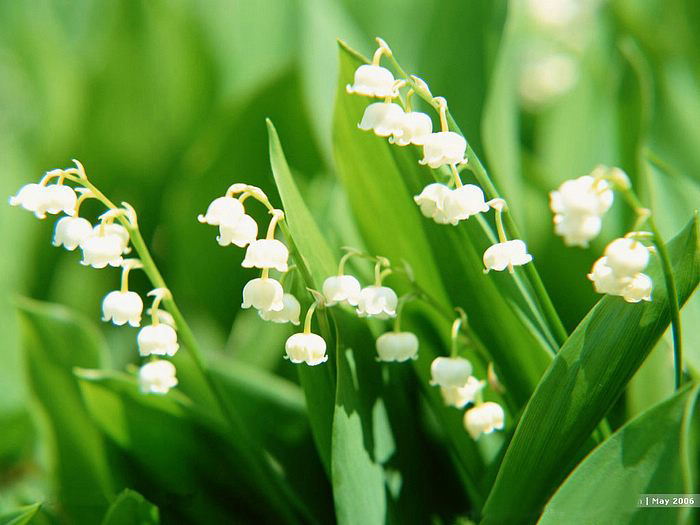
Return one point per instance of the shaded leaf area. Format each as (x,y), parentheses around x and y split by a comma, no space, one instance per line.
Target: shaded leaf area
(381,180)
(55,341)
(131,508)
(21,516)
(374,454)
(580,386)
(648,455)
(210,480)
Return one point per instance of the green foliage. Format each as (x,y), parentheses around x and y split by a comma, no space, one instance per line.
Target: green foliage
(130,507)
(21,516)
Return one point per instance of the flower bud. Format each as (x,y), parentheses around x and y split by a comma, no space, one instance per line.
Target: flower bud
(159,339)
(157,377)
(397,346)
(71,231)
(288,314)
(373,81)
(377,301)
(306,348)
(122,307)
(340,289)
(445,147)
(266,253)
(263,294)
(484,418)
(505,254)
(450,371)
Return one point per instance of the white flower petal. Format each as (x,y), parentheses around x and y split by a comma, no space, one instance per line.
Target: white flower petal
(340,289)
(122,307)
(263,294)
(484,419)
(450,371)
(288,314)
(157,377)
(306,348)
(266,253)
(397,346)
(158,339)
(71,231)
(373,81)
(377,301)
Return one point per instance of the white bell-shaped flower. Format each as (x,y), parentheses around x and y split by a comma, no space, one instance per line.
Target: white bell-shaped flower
(484,418)
(306,348)
(414,127)
(157,377)
(241,231)
(638,289)
(450,371)
(377,301)
(432,202)
(461,396)
(122,307)
(71,231)
(30,197)
(397,346)
(60,198)
(605,280)
(577,230)
(627,257)
(159,339)
(100,250)
(266,253)
(222,209)
(582,196)
(288,314)
(444,147)
(263,294)
(463,202)
(112,228)
(384,118)
(41,199)
(373,81)
(339,289)
(506,254)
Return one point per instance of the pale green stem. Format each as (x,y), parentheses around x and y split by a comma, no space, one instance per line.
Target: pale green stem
(455,176)
(309,315)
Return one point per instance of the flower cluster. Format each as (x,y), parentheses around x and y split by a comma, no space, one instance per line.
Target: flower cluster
(102,245)
(403,126)
(460,388)
(619,271)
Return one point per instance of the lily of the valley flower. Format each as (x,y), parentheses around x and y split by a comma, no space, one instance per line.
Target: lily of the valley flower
(413,127)
(288,314)
(240,231)
(461,396)
(619,271)
(222,209)
(626,257)
(112,228)
(263,293)
(506,254)
(159,339)
(71,231)
(484,418)
(432,202)
(122,307)
(397,346)
(339,289)
(450,371)
(157,377)
(444,147)
(377,301)
(41,199)
(373,81)
(266,253)
(101,249)
(463,202)
(306,348)
(384,118)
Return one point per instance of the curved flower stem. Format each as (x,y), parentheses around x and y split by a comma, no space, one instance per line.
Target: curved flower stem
(482,177)
(669,280)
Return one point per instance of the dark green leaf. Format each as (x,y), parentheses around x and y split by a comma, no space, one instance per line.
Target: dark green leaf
(131,508)
(20,516)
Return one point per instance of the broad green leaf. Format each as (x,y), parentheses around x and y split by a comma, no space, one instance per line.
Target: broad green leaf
(56,341)
(582,383)
(131,508)
(181,459)
(17,437)
(646,456)
(20,516)
(381,180)
(315,262)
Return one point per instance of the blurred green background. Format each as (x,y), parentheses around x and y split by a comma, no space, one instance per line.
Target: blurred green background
(164,103)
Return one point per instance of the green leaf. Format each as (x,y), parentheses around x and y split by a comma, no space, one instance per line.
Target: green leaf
(584,380)
(181,458)
(21,516)
(131,508)
(315,262)
(646,456)
(17,437)
(56,341)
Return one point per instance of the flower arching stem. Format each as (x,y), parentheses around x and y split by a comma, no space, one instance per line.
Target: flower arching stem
(127,266)
(455,176)
(277,215)
(309,315)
